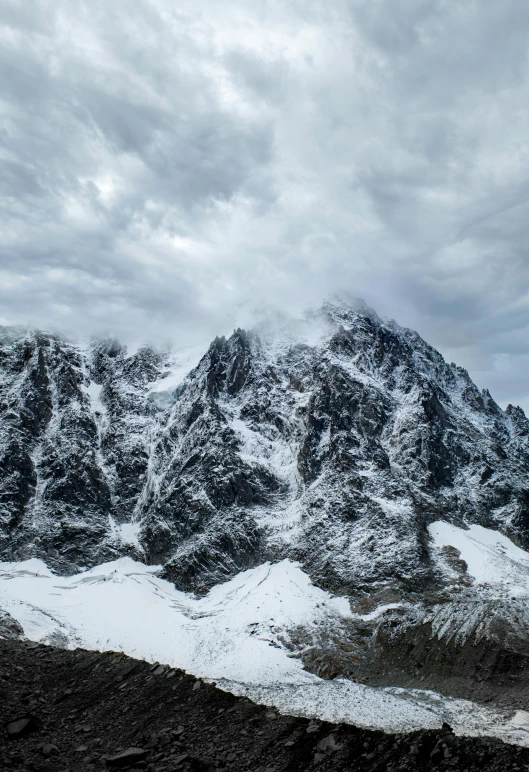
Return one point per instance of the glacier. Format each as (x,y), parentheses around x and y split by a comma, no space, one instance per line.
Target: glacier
(233,636)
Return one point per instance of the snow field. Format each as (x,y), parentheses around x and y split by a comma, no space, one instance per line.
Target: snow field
(229,636)
(492,558)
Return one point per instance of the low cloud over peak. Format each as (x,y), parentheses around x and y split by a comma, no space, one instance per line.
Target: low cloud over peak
(164,166)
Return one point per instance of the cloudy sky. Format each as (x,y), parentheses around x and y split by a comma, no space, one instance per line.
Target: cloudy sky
(168,166)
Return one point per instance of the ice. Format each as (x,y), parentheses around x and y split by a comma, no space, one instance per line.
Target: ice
(31,567)
(124,606)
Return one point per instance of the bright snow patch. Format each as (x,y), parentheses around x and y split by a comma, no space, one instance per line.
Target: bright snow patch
(94,392)
(231,636)
(492,558)
(181,363)
(521,718)
(125,533)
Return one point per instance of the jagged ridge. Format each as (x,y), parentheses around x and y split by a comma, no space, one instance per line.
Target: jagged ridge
(334,442)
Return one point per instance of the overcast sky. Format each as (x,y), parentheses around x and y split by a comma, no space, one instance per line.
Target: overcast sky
(167,166)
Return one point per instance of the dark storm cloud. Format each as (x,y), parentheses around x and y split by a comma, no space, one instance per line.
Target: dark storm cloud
(165,168)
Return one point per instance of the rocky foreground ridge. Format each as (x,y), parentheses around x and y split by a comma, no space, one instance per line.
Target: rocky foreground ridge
(86,711)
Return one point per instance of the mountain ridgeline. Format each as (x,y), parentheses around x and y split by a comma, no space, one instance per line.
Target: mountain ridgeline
(334,442)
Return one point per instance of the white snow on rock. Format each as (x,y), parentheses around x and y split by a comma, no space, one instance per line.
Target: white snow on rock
(492,558)
(126,534)
(232,636)
(94,392)
(181,363)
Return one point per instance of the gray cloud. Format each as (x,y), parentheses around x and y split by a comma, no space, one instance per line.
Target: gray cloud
(166,168)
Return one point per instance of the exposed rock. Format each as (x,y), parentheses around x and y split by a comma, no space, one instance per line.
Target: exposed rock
(249,739)
(49,749)
(9,627)
(19,727)
(328,745)
(125,758)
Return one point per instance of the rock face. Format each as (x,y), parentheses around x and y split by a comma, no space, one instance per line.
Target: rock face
(334,442)
(74,445)
(9,627)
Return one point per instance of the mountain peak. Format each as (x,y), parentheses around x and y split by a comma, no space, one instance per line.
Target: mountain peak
(345,303)
(208,455)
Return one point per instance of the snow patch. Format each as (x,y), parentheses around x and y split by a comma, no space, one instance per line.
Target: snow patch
(379,611)
(521,719)
(492,558)
(125,533)
(94,392)
(180,365)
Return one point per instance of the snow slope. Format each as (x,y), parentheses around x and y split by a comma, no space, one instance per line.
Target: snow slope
(492,559)
(231,635)
(123,605)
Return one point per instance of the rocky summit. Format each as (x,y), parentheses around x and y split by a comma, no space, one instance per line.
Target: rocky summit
(337,441)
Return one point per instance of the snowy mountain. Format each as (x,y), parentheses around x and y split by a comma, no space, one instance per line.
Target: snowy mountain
(334,442)
(338,442)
